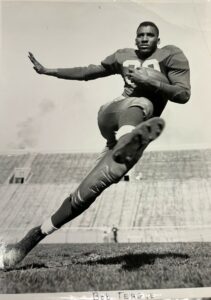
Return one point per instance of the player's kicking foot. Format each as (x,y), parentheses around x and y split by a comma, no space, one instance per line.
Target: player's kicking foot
(13,254)
(129,144)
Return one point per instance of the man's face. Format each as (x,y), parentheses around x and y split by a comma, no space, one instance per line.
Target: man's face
(147,40)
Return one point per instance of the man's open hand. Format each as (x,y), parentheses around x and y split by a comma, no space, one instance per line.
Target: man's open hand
(37,66)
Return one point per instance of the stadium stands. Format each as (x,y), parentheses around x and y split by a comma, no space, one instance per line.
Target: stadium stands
(169,201)
(8,163)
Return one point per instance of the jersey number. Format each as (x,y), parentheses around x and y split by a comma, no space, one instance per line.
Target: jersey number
(135,64)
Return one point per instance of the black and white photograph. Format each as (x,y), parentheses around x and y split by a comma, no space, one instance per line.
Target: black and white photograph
(105,153)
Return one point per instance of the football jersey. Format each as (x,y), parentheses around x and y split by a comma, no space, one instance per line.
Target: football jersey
(169,60)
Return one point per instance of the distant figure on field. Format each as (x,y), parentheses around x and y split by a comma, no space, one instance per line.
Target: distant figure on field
(115,231)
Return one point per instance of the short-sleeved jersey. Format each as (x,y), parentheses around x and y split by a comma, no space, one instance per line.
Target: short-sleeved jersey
(169,60)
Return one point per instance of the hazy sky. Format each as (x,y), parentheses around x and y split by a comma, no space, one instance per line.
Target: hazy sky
(44,113)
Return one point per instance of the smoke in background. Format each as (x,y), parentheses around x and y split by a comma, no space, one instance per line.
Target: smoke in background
(46,106)
(28,130)
(27,133)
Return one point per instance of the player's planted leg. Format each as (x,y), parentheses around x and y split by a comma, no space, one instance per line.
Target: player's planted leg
(15,253)
(105,173)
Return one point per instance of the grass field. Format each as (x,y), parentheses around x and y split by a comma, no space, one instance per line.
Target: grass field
(88,267)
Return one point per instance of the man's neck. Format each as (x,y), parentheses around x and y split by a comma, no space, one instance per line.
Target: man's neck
(145,55)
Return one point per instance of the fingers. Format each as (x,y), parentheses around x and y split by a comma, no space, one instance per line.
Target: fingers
(135,71)
(30,55)
(130,72)
(36,65)
(32,58)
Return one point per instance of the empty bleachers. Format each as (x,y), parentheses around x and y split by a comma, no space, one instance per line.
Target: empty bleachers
(174,191)
(60,168)
(8,163)
(183,164)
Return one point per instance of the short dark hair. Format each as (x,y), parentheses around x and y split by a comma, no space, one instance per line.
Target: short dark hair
(148,23)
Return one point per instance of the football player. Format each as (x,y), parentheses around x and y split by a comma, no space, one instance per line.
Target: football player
(152,76)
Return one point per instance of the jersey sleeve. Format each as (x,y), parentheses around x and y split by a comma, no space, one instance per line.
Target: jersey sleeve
(178,69)
(83,73)
(110,63)
(109,66)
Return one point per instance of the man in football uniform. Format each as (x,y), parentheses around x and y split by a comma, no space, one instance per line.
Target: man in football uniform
(152,76)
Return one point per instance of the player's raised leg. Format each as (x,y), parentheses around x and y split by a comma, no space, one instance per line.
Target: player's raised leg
(130,143)
(135,127)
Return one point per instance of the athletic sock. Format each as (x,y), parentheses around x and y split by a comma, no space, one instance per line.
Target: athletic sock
(124,130)
(47,227)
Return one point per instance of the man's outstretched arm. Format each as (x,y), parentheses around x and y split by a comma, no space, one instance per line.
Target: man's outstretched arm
(79,73)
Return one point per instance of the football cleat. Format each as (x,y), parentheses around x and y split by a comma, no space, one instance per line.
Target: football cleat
(10,256)
(13,254)
(129,145)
